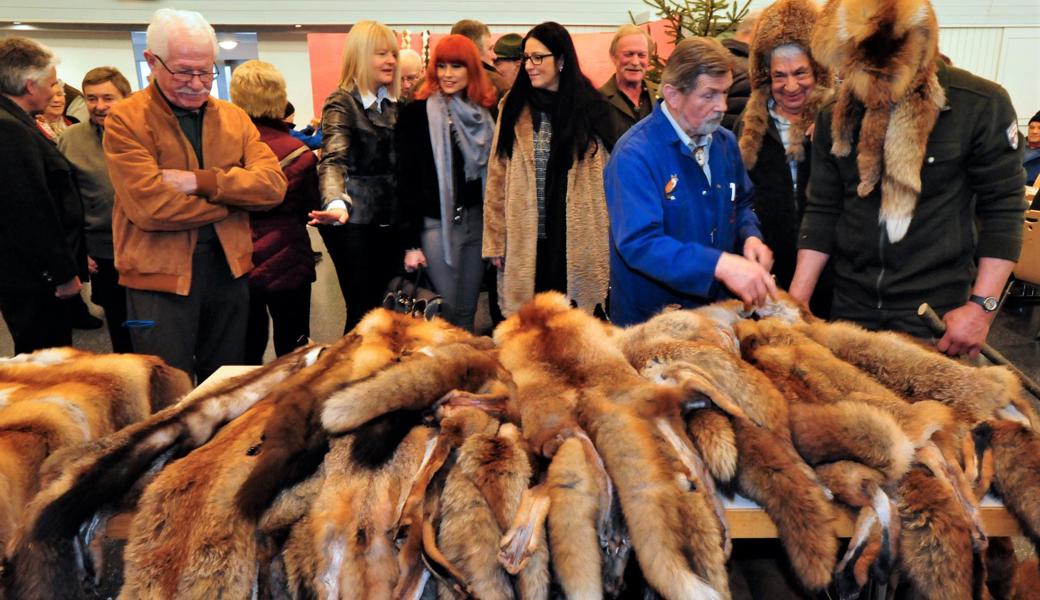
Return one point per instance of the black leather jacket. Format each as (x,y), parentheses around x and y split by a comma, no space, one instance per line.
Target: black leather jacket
(357,157)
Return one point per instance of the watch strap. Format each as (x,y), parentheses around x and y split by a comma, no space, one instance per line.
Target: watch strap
(985,302)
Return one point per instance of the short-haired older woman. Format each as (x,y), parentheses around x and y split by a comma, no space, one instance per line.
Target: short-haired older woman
(787,89)
(52,121)
(443,144)
(283,262)
(359,215)
(545,216)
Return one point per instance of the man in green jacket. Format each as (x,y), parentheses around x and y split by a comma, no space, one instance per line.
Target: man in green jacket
(628,91)
(916,191)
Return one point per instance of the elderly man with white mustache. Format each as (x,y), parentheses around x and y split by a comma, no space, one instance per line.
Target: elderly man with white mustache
(628,90)
(682,227)
(186,168)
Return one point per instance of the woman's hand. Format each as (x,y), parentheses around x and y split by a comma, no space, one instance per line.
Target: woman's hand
(413,259)
(499,262)
(332,216)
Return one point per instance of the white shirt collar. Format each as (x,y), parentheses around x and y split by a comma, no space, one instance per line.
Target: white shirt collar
(702,140)
(368,98)
(685,139)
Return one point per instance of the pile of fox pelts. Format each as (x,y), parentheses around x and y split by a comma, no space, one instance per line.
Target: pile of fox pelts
(564,458)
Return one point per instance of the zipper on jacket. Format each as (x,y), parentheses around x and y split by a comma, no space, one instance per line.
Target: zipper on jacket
(881,274)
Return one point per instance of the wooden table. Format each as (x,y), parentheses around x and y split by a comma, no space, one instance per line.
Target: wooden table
(746,519)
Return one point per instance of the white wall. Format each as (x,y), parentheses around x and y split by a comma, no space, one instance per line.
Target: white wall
(288,52)
(996,39)
(1007,55)
(326,12)
(81,51)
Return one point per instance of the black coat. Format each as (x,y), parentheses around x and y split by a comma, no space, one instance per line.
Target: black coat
(740,91)
(418,194)
(357,157)
(780,206)
(41,213)
(970,206)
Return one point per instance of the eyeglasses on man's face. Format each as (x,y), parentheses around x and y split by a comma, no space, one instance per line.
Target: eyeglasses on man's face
(206,77)
(535,59)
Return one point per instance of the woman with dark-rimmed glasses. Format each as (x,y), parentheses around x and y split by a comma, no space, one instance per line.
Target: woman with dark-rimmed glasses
(545,214)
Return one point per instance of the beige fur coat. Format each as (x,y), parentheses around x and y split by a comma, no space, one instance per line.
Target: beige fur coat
(511,223)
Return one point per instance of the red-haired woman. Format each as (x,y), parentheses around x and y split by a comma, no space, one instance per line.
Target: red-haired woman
(443,140)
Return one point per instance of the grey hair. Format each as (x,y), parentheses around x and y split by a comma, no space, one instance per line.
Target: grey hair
(168,21)
(409,53)
(694,57)
(23,60)
(788,51)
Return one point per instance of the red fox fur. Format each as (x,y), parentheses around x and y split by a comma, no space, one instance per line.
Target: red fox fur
(920,373)
(51,402)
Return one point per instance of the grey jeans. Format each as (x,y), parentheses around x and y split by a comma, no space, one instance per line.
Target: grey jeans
(460,284)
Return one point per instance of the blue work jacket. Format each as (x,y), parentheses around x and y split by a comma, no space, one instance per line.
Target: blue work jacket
(668,225)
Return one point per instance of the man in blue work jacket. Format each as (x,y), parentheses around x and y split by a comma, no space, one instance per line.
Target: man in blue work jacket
(682,227)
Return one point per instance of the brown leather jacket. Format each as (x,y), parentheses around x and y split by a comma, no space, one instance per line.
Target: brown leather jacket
(154,227)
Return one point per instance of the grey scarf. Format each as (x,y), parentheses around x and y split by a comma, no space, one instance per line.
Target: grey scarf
(473,132)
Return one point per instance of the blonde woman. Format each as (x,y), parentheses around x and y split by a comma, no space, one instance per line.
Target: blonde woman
(358,220)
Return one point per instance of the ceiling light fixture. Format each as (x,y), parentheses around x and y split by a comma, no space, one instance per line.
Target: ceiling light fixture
(228,44)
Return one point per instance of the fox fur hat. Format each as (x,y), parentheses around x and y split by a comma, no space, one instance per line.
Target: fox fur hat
(885,54)
(787,22)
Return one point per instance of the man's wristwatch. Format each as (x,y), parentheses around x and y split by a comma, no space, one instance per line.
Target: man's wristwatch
(988,303)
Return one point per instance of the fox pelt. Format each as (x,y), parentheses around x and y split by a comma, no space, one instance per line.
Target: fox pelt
(573,531)
(810,372)
(676,346)
(42,559)
(936,548)
(705,369)
(632,424)
(770,472)
(917,372)
(54,400)
(217,556)
(1016,454)
(481,497)
(885,51)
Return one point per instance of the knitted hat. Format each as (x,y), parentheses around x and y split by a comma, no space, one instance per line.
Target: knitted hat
(508,46)
(787,22)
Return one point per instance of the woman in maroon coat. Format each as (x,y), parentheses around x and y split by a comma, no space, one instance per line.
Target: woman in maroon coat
(283,262)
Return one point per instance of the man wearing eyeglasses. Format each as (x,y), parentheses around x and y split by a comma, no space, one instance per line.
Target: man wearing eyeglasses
(186,168)
(410,65)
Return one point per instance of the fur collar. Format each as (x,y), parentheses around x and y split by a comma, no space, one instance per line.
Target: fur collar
(886,52)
